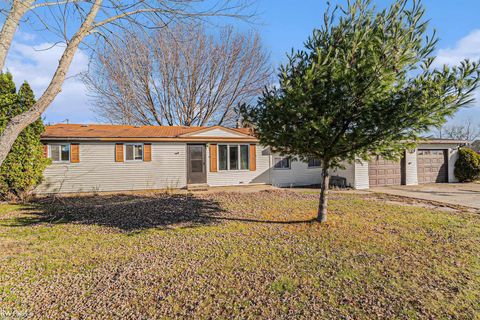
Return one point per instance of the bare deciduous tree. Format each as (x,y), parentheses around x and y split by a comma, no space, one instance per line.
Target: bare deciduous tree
(467,130)
(181,76)
(75,20)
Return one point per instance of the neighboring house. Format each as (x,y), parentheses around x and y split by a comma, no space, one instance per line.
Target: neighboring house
(96,158)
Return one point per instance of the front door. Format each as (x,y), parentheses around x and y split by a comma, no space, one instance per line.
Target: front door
(196,171)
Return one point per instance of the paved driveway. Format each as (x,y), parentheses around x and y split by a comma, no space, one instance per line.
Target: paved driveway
(466,194)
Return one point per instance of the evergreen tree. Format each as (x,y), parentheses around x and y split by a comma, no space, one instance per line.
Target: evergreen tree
(364,85)
(24,165)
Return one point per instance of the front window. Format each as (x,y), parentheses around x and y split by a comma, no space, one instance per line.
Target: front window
(60,152)
(223,157)
(233,157)
(282,163)
(244,157)
(133,152)
(313,163)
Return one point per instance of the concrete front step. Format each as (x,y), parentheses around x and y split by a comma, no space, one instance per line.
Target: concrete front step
(197,187)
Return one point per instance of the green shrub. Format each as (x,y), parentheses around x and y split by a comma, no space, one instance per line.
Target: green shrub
(467,167)
(23,168)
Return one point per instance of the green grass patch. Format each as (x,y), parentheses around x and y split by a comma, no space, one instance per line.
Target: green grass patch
(283,284)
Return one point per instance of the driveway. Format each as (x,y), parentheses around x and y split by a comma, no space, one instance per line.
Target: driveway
(465,194)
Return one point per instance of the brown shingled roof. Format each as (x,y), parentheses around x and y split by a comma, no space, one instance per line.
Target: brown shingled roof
(103,131)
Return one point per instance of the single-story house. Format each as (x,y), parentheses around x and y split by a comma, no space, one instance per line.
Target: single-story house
(97,158)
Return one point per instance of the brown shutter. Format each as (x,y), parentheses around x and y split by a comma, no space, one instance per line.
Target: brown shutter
(253,157)
(45,150)
(119,152)
(74,153)
(147,152)
(213,158)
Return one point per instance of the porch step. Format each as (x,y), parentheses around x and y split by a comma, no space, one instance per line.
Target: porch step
(197,187)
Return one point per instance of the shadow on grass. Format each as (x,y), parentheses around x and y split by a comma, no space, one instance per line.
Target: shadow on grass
(134,212)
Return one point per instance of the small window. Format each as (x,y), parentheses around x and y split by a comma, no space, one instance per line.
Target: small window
(282,163)
(134,152)
(244,157)
(313,163)
(223,157)
(233,157)
(60,152)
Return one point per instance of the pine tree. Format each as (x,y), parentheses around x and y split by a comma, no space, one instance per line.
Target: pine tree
(363,85)
(23,168)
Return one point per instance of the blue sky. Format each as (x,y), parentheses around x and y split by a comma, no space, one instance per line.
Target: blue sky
(283,25)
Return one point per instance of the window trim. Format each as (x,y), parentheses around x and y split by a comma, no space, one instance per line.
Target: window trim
(289,163)
(60,152)
(133,144)
(228,157)
(313,167)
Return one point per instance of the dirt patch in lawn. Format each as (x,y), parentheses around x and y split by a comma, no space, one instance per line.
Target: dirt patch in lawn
(233,255)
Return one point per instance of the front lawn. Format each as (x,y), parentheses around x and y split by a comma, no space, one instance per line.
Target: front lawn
(233,255)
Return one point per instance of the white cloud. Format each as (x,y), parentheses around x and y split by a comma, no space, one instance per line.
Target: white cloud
(25,36)
(467,47)
(37,63)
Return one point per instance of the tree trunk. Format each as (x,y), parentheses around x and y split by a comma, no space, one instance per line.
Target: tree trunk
(323,203)
(19,8)
(18,123)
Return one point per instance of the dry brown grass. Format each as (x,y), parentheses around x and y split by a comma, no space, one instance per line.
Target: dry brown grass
(232,255)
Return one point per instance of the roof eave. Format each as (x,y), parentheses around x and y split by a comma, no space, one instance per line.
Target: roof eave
(154,139)
(442,141)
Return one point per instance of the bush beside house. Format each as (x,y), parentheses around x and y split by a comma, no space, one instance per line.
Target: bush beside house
(467,167)
(23,168)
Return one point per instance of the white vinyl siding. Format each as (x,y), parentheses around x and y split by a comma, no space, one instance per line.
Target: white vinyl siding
(98,170)
(411,175)
(220,133)
(347,172)
(361,177)
(299,174)
(452,158)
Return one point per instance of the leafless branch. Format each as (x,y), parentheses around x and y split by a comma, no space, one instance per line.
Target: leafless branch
(86,18)
(179,76)
(53,3)
(466,130)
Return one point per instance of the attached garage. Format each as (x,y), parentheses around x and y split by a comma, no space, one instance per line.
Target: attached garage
(432,165)
(432,161)
(384,172)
